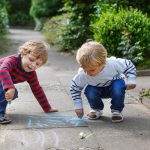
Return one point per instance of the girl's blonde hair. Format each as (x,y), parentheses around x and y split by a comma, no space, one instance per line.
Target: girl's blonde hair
(91,54)
(37,48)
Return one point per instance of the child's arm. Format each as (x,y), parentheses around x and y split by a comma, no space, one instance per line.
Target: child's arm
(77,85)
(5,77)
(39,94)
(127,68)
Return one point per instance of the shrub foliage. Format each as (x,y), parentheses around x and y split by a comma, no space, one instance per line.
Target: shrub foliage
(77,31)
(18,12)
(3,17)
(131,24)
(41,10)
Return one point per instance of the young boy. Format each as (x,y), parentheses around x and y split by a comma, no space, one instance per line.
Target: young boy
(19,68)
(101,77)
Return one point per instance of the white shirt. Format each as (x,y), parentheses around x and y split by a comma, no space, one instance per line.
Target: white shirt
(115,68)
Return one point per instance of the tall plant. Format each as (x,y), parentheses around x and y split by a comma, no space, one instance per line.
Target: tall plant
(77,31)
(3,17)
(18,12)
(41,10)
(132,23)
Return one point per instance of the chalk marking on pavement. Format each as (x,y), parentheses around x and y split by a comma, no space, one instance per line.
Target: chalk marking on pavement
(58,115)
(23,139)
(26,143)
(76,121)
(38,136)
(29,122)
(3,137)
(89,135)
(56,138)
(42,139)
(55,119)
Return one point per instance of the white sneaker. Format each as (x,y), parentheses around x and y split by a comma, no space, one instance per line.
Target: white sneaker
(117,116)
(5,120)
(95,114)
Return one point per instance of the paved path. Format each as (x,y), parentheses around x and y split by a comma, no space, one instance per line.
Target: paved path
(32,129)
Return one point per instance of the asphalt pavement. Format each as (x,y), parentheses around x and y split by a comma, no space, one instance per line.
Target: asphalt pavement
(32,129)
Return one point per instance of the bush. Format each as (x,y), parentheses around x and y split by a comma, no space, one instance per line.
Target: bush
(3,18)
(143,5)
(54,27)
(18,11)
(132,52)
(42,10)
(132,24)
(77,31)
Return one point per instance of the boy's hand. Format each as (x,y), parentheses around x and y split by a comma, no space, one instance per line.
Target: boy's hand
(79,112)
(9,94)
(130,86)
(52,110)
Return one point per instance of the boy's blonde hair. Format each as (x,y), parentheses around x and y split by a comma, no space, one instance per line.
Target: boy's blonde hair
(91,54)
(37,48)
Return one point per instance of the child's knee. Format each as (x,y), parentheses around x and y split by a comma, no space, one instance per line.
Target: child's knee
(90,92)
(118,85)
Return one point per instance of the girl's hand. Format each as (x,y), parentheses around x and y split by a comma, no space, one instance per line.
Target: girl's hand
(9,94)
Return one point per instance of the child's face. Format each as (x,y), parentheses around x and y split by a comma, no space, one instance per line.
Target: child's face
(93,71)
(30,62)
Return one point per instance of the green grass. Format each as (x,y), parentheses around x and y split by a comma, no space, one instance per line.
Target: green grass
(145,93)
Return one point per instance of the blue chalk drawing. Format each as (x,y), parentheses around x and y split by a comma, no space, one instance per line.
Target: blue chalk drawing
(29,122)
(76,121)
(55,120)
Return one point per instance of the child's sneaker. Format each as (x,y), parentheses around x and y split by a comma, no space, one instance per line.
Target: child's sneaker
(117,116)
(95,114)
(5,120)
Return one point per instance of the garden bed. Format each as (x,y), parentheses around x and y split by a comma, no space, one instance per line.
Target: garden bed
(145,97)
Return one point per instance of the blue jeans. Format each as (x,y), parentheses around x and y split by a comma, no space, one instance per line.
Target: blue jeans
(115,91)
(3,101)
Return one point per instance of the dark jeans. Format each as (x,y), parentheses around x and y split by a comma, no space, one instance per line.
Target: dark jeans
(3,101)
(116,91)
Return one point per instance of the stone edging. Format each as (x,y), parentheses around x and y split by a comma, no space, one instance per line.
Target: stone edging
(143,73)
(146,101)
